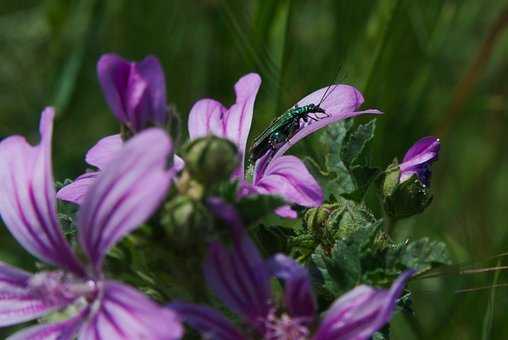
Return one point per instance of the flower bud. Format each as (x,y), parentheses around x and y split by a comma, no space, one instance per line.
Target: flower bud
(419,158)
(405,186)
(408,198)
(211,159)
(316,218)
(186,221)
(135,91)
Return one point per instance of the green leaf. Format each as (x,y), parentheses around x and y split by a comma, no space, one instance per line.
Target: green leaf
(356,143)
(272,239)
(425,254)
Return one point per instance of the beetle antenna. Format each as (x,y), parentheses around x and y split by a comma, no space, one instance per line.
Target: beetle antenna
(332,86)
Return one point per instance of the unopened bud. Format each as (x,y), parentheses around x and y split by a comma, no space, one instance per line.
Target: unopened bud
(211,159)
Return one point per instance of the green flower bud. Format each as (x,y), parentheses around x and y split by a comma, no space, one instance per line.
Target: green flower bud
(316,218)
(186,222)
(408,198)
(211,159)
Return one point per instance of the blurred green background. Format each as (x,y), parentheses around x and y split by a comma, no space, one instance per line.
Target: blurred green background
(433,66)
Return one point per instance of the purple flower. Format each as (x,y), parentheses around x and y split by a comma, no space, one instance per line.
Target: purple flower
(276,174)
(99,156)
(419,158)
(122,197)
(135,91)
(241,279)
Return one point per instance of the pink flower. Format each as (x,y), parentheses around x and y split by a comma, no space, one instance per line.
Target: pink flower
(275,173)
(136,93)
(122,197)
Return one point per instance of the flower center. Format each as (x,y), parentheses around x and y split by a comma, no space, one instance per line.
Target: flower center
(285,328)
(60,287)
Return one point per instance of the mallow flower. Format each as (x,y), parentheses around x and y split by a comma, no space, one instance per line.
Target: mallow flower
(240,278)
(136,93)
(275,174)
(123,196)
(419,158)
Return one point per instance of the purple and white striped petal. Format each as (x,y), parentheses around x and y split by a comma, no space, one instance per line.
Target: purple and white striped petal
(206,117)
(360,313)
(125,193)
(288,177)
(62,330)
(18,302)
(99,156)
(240,279)
(239,116)
(104,151)
(298,297)
(210,323)
(341,102)
(75,192)
(27,197)
(124,313)
(211,117)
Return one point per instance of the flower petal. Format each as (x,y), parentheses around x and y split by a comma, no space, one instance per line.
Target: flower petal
(18,302)
(239,116)
(62,330)
(419,158)
(206,117)
(124,313)
(209,322)
(210,117)
(339,99)
(240,278)
(125,193)
(113,72)
(76,191)
(314,126)
(298,297)
(102,152)
(361,312)
(341,102)
(288,177)
(27,197)
(152,73)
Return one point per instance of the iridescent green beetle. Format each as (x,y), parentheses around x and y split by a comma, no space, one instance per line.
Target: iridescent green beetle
(286,126)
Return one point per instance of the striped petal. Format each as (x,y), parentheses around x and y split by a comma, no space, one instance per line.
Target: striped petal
(206,117)
(27,197)
(210,323)
(125,193)
(211,117)
(298,297)
(18,302)
(63,330)
(361,312)
(125,313)
(103,152)
(288,177)
(239,277)
(76,191)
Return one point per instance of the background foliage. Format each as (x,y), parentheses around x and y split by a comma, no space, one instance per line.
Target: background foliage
(434,67)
